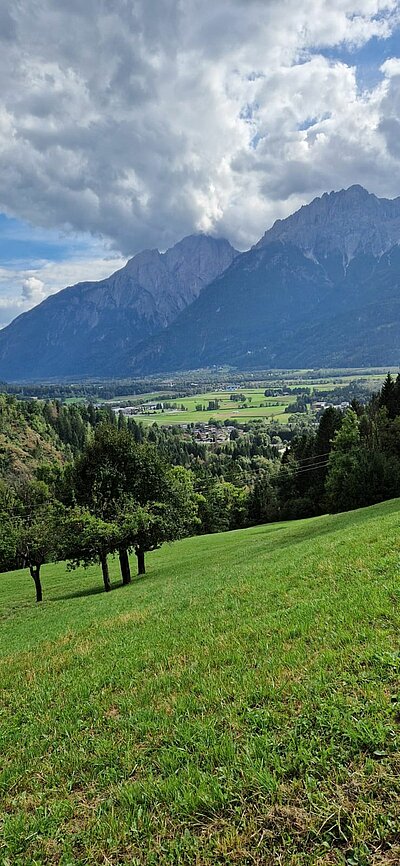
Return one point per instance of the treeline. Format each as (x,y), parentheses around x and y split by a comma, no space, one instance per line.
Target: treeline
(87,390)
(350,461)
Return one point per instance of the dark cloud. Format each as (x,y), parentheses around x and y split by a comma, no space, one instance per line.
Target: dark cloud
(140,122)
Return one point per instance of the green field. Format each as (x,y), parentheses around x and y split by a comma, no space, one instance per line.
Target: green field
(237,705)
(228,409)
(258,406)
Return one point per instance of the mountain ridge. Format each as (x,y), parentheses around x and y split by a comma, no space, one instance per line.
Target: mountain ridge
(321,287)
(84,328)
(349,221)
(310,292)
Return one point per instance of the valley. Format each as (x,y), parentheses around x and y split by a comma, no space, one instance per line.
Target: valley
(200,433)
(243,403)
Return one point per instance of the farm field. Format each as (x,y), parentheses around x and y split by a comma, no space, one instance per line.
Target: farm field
(272,407)
(237,705)
(258,406)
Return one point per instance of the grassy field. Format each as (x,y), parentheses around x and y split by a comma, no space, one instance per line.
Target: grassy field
(237,705)
(258,406)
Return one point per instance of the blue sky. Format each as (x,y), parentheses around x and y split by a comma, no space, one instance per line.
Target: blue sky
(124,126)
(25,245)
(35,262)
(368,58)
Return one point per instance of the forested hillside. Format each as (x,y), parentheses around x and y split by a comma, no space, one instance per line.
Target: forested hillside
(26,439)
(34,433)
(99,485)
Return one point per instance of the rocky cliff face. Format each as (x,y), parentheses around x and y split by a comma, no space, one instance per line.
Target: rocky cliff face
(321,288)
(86,329)
(175,278)
(347,223)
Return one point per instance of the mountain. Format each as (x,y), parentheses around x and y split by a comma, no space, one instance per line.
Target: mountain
(321,288)
(344,224)
(90,328)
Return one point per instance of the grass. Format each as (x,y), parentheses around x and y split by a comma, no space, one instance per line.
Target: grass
(258,406)
(237,705)
(273,407)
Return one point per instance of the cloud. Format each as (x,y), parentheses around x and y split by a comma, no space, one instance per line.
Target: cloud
(33,290)
(141,122)
(391,67)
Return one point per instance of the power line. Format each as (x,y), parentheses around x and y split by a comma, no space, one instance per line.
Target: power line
(309,469)
(314,457)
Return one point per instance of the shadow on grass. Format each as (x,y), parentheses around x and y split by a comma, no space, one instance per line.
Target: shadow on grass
(99,590)
(82,593)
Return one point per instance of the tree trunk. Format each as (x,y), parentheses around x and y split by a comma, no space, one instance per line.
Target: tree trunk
(140,560)
(124,566)
(35,573)
(106,574)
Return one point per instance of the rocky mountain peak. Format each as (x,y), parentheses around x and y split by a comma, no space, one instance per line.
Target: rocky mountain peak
(87,328)
(347,222)
(184,268)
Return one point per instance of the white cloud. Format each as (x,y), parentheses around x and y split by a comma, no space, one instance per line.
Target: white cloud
(33,290)
(391,67)
(141,122)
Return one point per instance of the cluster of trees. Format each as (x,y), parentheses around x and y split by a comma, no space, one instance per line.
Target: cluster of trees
(351,460)
(129,488)
(116,497)
(238,398)
(301,404)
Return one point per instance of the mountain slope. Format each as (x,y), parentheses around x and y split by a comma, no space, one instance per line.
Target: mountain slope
(320,288)
(345,223)
(26,440)
(240,705)
(237,314)
(85,329)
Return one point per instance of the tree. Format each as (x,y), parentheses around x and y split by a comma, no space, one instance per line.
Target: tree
(112,468)
(37,540)
(129,485)
(388,396)
(34,529)
(87,539)
(167,520)
(263,506)
(132,522)
(343,465)
(223,506)
(8,536)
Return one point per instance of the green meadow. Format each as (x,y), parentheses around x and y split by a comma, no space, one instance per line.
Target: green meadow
(258,406)
(239,704)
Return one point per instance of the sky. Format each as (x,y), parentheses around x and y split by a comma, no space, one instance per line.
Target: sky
(128,124)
